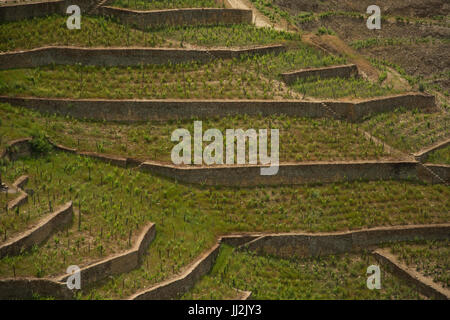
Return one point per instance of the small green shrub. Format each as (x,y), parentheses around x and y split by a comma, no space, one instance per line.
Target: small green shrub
(39,143)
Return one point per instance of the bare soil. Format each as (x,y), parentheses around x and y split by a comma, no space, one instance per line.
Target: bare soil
(417,59)
(423,59)
(406,8)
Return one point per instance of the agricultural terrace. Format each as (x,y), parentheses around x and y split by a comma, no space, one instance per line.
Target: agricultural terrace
(166,4)
(431,258)
(99,31)
(331,277)
(112,204)
(302,139)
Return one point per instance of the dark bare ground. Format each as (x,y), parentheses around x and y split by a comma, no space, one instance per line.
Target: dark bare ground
(406,8)
(430,59)
(425,59)
(350,29)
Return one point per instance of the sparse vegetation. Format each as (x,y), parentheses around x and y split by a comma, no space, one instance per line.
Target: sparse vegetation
(52,30)
(249,77)
(330,277)
(341,88)
(409,131)
(114,201)
(441,156)
(112,204)
(301,139)
(166,4)
(431,258)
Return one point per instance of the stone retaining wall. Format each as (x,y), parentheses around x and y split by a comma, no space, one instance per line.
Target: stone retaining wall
(17,202)
(62,55)
(288,174)
(434,173)
(16,12)
(422,155)
(420,101)
(287,245)
(23,196)
(12,289)
(306,244)
(442,170)
(62,216)
(21,182)
(284,244)
(120,263)
(144,110)
(424,285)
(174,288)
(344,71)
(178,17)
(17,149)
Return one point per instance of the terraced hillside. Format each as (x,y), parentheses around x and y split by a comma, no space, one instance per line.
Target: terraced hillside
(86,124)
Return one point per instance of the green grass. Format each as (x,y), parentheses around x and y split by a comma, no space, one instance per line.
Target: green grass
(381,42)
(409,131)
(430,258)
(52,30)
(229,35)
(166,4)
(17,220)
(341,88)
(331,277)
(382,64)
(105,32)
(14,2)
(249,77)
(214,80)
(441,156)
(271,11)
(301,139)
(324,30)
(189,218)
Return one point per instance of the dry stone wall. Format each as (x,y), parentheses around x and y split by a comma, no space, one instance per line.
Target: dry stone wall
(61,217)
(143,110)
(120,263)
(11,289)
(288,174)
(174,288)
(304,244)
(423,284)
(345,71)
(16,12)
(17,149)
(121,56)
(422,155)
(178,17)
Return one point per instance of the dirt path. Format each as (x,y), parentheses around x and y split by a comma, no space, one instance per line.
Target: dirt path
(328,43)
(259,19)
